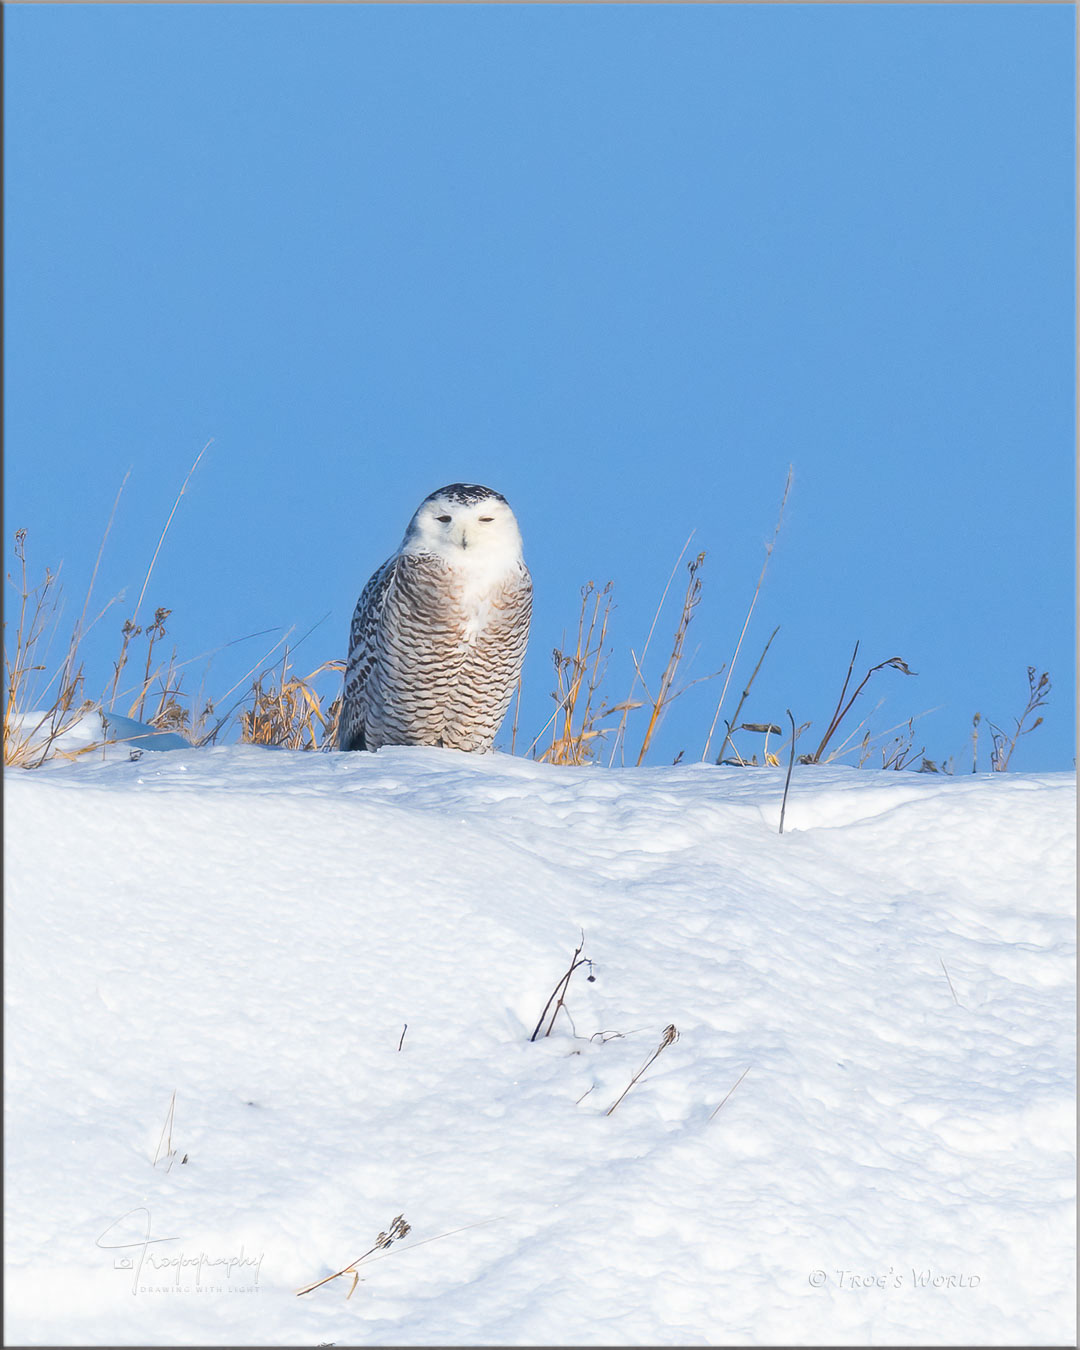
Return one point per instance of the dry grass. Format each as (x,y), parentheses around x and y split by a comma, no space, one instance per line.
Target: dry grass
(628,705)
(165,1151)
(285,708)
(670,1035)
(288,710)
(666,693)
(767,728)
(749,613)
(39,708)
(842,709)
(579,674)
(580,704)
(60,700)
(730,1090)
(45,698)
(1002,744)
(559,992)
(276,705)
(398,1229)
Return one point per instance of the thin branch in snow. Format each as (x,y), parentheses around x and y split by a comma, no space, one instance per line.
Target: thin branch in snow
(787,780)
(746,622)
(397,1229)
(955,999)
(731,1089)
(560,989)
(670,1034)
(166,1129)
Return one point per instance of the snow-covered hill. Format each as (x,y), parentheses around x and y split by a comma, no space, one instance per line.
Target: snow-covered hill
(887,986)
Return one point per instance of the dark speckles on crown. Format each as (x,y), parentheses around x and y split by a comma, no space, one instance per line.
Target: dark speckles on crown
(465,494)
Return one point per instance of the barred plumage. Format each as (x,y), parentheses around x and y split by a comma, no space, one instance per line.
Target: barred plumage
(439,633)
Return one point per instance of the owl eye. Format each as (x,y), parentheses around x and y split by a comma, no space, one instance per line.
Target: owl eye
(486,520)
(445,519)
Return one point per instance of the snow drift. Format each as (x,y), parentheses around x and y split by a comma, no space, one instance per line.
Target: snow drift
(335,962)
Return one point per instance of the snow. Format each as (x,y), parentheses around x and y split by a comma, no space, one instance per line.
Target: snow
(252,929)
(40,737)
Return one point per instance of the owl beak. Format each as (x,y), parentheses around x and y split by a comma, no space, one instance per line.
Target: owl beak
(464,540)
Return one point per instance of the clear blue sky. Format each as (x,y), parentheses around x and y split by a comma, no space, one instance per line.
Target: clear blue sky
(623,264)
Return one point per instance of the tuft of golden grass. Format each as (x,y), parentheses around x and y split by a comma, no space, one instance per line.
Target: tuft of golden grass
(44,699)
(628,704)
(41,707)
(579,674)
(56,701)
(287,709)
(666,693)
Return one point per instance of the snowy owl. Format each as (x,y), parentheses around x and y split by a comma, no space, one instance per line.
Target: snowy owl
(439,633)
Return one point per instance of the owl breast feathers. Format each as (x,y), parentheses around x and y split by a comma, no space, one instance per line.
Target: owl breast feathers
(439,633)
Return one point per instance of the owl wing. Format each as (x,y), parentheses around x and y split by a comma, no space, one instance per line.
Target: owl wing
(363,652)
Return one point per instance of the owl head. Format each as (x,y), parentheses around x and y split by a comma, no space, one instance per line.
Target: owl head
(466,525)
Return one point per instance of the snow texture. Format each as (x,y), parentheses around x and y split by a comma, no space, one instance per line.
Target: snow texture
(114,736)
(252,930)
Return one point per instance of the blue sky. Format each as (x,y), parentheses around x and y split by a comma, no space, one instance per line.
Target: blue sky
(623,264)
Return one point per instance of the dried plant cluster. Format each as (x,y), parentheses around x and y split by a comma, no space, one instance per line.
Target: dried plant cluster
(273,704)
(287,709)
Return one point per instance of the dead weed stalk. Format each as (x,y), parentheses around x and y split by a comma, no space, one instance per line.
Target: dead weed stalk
(288,710)
(575,723)
(37,711)
(670,1034)
(397,1229)
(559,992)
(746,622)
(1003,745)
(843,708)
(751,726)
(665,693)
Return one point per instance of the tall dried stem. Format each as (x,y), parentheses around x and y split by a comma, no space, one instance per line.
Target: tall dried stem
(579,674)
(745,695)
(1004,745)
(664,695)
(746,622)
(628,704)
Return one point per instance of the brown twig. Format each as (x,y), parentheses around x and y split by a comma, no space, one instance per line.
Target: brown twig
(955,999)
(578,676)
(1003,745)
(745,696)
(787,780)
(166,1129)
(731,1089)
(843,708)
(628,704)
(165,531)
(397,1229)
(670,1034)
(664,696)
(746,622)
(560,989)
